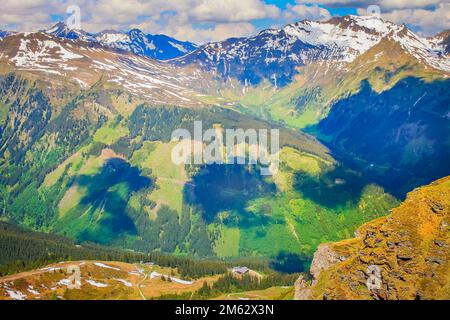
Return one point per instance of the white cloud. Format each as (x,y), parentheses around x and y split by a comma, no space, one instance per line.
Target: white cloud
(233,10)
(426,17)
(28,14)
(206,20)
(183,29)
(385,5)
(301,12)
(218,32)
(195,20)
(428,22)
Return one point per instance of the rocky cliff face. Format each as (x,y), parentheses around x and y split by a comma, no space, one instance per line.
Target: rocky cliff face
(402,256)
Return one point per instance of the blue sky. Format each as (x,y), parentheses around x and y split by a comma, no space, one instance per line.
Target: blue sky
(211,20)
(338,10)
(282,4)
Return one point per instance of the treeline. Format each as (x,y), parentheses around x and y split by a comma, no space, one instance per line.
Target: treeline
(189,268)
(156,123)
(196,268)
(230,283)
(23,250)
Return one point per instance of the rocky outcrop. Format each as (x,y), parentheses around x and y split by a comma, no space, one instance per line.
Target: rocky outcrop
(405,255)
(302,290)
(324,258)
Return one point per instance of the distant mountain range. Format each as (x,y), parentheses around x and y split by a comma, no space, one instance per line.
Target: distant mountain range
(275,54)
(159,47)
(4,33)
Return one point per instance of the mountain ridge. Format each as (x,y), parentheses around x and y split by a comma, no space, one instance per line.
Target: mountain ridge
(85,63)
(160,47)
(339,40)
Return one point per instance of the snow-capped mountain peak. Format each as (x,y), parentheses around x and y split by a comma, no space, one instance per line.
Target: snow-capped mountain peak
(111,36)
(339,40)
(154,46)
(160,47)
(59,60)
(62,30)
(350,35)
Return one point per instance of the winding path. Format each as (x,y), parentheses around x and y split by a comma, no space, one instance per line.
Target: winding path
(141,282)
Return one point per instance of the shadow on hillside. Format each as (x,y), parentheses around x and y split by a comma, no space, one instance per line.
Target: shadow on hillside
(287,262)
(332,189)
(109,192)
(397,137)
(217,188)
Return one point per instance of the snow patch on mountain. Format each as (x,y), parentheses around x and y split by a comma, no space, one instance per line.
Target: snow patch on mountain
(102,265)
(35,53)
(83,63)
(97,284)
(111,37)
(16,295)
(424,50)
(159,47)
(275,54)
(350,37)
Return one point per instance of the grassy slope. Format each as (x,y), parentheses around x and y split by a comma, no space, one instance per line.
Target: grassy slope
(273,293)
(121,280)
(276,224)
(170,178)
(296,224)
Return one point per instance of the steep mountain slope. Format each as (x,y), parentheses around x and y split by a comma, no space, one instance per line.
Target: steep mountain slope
(159,47)
(442,40)
(407,125)
(85,63)
(410,248)
(405,105)
(275,55)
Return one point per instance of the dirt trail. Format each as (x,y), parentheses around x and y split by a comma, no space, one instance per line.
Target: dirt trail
(140,283)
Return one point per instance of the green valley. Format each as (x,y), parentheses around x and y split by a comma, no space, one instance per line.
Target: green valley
(121,188)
